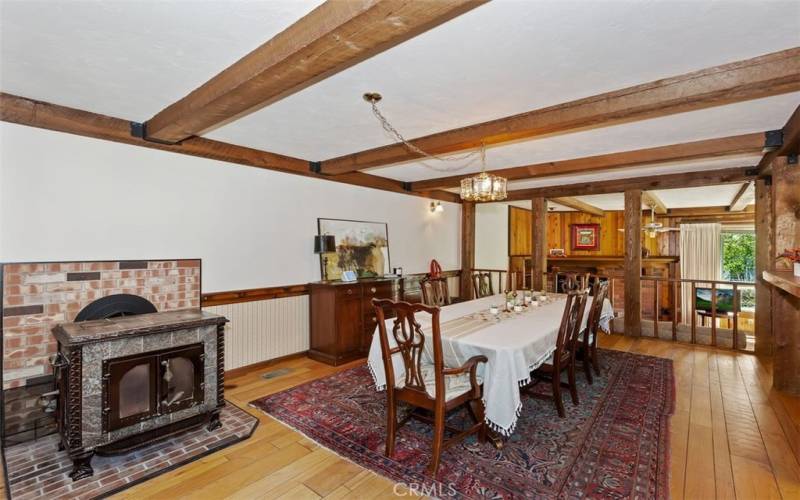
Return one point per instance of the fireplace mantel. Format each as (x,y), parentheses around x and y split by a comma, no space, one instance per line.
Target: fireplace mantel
(86,332)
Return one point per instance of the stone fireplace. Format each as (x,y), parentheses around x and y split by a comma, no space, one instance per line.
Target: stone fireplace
(127,379)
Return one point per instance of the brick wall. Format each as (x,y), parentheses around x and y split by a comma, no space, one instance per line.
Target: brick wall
(37,296)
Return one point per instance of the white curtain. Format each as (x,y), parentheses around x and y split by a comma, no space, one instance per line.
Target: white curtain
(701,258)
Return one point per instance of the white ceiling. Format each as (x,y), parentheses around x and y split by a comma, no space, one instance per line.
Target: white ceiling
(722,121)
(130,59)
(510,56)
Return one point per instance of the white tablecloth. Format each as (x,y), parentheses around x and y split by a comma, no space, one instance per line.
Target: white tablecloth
(514,347)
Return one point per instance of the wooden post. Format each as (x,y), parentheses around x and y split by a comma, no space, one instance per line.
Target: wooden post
(764,258)
(633,262)
(538,243)
(785,306)
(467,249)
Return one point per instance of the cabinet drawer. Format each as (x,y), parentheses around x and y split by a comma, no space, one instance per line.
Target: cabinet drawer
(348,291)
(378,291)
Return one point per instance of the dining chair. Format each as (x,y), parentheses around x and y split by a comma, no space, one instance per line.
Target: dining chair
(424,385)
(482,285)
(587,350)
(512,282)
(435,292)
(563,359)
(575,281)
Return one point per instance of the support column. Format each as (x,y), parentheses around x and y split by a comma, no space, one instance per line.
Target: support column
(538,243)
(785,307)
(467,249)
(633,262)
(765,254)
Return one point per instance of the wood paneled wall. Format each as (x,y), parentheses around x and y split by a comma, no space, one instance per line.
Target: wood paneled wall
(612,241)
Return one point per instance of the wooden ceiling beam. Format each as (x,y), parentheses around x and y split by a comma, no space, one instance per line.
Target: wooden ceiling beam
(762,76)
(789,144)
(576,204)
(669,181)
(336,35)
(745,196)
(650,199)
(15,109)
(708,148)
(707,212)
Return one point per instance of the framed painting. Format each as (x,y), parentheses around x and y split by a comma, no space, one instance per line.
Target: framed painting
(585,236)
(361,247)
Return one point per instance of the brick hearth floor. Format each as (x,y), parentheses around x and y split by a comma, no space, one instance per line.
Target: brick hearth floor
(37,469)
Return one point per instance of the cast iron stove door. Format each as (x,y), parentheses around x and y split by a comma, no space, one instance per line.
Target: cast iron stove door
(181,382)
(131,390)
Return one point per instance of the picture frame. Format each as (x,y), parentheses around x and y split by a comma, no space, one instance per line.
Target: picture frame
(349,276)
(362,247)
(585,236)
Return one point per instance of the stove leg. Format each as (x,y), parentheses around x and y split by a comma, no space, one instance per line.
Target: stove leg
(213,421)
(82,466)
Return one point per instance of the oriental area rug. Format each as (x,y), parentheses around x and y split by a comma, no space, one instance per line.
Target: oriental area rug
(614,444)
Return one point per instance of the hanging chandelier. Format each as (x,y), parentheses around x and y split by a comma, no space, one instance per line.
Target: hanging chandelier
(484,186)
(481,187)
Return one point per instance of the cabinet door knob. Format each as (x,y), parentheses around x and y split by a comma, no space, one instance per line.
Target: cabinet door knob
(373,289)
(349,291)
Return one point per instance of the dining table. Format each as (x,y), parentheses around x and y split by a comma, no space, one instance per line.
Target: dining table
(515,342)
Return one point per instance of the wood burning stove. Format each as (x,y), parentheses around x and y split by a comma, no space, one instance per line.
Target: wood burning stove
(127,380)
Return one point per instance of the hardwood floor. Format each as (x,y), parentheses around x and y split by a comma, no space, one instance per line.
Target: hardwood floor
(732,437)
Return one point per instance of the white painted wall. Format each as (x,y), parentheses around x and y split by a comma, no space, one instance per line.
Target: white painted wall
(64,197)
(491,236)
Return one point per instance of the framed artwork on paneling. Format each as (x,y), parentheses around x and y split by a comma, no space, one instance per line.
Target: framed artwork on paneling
(585,236)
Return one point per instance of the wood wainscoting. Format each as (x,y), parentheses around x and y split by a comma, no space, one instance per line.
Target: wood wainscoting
(271,323)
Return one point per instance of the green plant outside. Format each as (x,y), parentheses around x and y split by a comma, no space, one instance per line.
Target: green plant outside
(739,262)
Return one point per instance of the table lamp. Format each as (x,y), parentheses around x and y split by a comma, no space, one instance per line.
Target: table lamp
(324,243)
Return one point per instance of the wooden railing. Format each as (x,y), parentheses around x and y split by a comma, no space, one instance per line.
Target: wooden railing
(492,273)
(677,287)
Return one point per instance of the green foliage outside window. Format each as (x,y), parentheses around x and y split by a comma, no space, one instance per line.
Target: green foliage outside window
(738,256)
(739,262)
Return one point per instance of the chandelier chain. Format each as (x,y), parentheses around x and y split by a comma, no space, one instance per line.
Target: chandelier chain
(394,133)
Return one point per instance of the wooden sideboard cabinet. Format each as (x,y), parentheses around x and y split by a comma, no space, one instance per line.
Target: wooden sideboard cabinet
(342,318)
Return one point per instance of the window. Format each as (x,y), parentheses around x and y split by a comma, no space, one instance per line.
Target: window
(738,255)
(739,262)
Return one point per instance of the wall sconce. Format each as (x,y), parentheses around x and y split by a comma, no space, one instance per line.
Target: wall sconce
(436,207)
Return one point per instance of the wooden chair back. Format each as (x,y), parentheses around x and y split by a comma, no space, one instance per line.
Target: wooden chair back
(410,343)
(575,282)
(600,292)
(512,282)
(569,331)
(482,285)
(435,292)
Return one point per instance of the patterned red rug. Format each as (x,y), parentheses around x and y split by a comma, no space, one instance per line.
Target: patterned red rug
(613,445)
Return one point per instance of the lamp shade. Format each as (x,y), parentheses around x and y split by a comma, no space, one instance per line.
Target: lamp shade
(324,243)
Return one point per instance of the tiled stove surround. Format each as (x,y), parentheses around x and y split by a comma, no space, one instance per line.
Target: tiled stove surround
(37,296)
(92,375)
